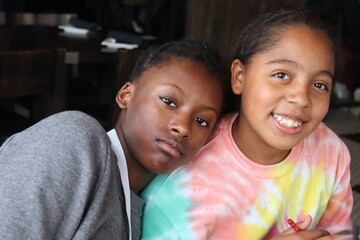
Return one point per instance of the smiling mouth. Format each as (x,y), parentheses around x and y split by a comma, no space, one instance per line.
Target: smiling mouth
(287,122)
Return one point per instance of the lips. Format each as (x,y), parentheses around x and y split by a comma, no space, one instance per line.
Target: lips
(287,121)
(288,124)
(170,147)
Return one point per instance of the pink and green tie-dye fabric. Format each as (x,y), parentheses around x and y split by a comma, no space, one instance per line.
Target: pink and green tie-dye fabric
(221,194)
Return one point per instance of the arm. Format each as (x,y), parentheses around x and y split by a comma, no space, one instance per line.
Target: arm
(337,216)
(59,180)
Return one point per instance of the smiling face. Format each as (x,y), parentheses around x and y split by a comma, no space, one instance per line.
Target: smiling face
(285,94)
(167,115)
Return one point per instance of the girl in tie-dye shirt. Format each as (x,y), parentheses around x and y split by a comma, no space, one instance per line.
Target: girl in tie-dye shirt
(274,159)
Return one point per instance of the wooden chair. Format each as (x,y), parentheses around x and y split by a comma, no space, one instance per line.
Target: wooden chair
(32,87)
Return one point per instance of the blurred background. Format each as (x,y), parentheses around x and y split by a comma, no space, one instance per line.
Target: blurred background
(212,20)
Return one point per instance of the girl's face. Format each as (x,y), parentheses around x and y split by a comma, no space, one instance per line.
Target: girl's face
(285,92)
(168,114)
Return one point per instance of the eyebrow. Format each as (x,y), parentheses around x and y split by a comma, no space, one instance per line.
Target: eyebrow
(284,61)
(182,92)
(292,63)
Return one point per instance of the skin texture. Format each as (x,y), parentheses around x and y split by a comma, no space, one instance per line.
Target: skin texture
(167,115)
(293,80)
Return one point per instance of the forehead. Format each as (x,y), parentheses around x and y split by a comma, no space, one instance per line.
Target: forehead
(302,45)
(177,69)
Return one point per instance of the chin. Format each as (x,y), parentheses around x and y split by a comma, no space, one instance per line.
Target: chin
(161,168)
(164,170)
(288,146)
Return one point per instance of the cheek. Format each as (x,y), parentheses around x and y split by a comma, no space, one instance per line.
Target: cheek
(141,120)
(197,142)
(258,88)
(148,113)
(260,97)
(320,109)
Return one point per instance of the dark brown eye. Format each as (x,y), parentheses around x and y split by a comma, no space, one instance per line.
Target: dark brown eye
(321,86)
(202,122)
(281,75)
(168,102)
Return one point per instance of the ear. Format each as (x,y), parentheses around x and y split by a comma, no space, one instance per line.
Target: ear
(124,94)
(237,76)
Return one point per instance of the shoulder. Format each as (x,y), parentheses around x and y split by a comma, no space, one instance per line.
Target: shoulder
(71,119)
(222,131)
(69,140)
(67,127)
(326,137)
(221,145)
(167,202)
(326,144)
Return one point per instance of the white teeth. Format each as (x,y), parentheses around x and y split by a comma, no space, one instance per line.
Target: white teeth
(287,122)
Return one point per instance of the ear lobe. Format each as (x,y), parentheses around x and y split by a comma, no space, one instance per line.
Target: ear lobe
(237,76)
(123,96)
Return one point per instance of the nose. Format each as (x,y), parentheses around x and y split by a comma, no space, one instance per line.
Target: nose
(180,127)
(299,96)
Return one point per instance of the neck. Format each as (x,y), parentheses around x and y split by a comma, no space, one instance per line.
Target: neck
(255,149)
(139,177)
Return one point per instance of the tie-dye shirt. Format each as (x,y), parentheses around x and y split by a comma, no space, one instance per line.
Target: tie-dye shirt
(221,194)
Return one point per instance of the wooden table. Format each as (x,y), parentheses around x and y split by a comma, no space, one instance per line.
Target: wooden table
(79,48)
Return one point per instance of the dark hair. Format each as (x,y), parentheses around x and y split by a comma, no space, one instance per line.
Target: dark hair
(195,50)
(263,33)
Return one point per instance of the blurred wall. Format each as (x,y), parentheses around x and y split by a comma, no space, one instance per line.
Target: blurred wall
(219,21)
